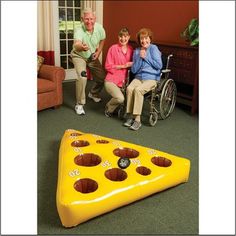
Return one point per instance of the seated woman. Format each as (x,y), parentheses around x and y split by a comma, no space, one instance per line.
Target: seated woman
(118,61)
(146,67)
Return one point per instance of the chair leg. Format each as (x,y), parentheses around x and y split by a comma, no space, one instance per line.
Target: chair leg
(56,107)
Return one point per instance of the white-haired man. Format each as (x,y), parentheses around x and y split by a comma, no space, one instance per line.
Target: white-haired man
(89,39)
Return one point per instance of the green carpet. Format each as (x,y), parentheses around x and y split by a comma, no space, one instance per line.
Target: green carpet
(173,211)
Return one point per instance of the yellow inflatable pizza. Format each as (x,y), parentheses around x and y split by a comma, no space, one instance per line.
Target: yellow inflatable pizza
(97,174)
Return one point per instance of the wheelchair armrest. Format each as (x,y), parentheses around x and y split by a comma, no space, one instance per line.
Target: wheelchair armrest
(166,71)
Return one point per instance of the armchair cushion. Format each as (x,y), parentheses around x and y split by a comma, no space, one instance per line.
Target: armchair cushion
(50,92)
(52,73)
(45,85)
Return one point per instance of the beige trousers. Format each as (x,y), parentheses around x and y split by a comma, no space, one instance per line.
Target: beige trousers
(98,74)
(117,96)
(135,95)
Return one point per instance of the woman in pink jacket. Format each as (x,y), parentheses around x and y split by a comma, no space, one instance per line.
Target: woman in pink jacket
(118,61)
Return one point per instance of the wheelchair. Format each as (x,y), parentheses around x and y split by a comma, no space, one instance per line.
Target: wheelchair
(161,98)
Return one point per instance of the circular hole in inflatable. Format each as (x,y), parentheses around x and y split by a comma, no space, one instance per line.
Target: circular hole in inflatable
(115,174)
(79,143)
(85,185)
(75,134)
(87,159)
(102,141)
(142,170)
(161,161)
(126,152)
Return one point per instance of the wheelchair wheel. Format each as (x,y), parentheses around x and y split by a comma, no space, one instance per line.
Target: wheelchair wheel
(168,98)
(121,112)
(153,118)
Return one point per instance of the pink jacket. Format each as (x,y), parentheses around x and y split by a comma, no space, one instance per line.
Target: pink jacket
(115,56)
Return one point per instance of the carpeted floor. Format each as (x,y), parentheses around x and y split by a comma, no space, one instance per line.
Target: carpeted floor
(173,211)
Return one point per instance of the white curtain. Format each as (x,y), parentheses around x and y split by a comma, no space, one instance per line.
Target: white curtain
(45,26)
(89,4)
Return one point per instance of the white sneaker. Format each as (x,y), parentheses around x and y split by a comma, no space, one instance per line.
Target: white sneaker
(79,109)
(95,99)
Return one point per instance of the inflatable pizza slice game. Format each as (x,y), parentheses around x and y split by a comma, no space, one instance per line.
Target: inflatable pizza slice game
(98,174)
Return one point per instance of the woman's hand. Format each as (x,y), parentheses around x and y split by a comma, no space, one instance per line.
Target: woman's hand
(119,67)
(126,65)
(129,64)
(142,53)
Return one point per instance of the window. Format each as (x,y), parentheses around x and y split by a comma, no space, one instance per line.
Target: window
(69,13)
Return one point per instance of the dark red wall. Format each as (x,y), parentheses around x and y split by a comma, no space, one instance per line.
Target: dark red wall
(165,18)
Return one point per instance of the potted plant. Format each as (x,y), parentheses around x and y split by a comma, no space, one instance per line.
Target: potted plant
(191,32)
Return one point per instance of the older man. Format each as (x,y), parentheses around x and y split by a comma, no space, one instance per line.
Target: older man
(89,39)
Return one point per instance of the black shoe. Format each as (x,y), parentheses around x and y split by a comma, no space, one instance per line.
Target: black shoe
(107,113)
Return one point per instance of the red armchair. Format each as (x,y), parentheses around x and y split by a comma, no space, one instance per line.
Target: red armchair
(50,86)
